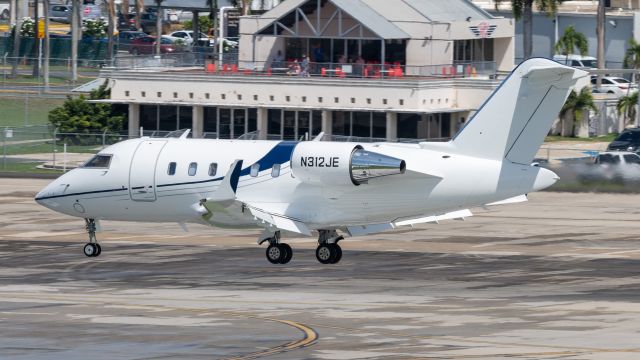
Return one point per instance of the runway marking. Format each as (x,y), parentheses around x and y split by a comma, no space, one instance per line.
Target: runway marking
(311,335)
(309,338)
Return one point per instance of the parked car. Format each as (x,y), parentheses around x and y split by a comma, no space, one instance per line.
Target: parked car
(618,165)
(126,37)
(188,37)
(579,61)
(60,13)
(5,12)
(614,85)
(628,140)
(63,13)
(147,45)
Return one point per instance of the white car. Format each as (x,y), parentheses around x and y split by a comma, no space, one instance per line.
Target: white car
(188,38)
(582,62)
(614,85)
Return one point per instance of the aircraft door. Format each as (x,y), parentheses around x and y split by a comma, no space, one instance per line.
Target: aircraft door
(142,174)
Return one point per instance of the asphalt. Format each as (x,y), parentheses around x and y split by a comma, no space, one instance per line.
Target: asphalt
(555,278)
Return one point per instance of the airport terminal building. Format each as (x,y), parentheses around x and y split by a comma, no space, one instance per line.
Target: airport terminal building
(365,69)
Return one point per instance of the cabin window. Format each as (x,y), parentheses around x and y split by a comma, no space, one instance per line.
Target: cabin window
(213,169)
(172,168)
(275,171)
(255,169)
(193,168)
(98,161)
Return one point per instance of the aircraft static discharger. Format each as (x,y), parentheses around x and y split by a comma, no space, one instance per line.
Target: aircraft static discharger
(328,189)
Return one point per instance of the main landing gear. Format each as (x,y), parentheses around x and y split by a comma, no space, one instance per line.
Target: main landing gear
(328,250)
(277,252)
(92,248)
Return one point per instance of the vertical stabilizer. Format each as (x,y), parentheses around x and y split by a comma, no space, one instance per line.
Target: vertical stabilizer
(514,120)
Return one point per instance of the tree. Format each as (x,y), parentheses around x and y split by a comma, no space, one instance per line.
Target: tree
(632,56)
(574,108)
(523,9)
(111,28)
(76,115)
(244,6)
(627,107)
(570,40)
(139,11)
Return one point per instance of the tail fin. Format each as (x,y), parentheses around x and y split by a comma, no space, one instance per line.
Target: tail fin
(513,122)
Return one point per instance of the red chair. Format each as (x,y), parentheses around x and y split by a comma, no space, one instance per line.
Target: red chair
(269,72)
(211,68)
(225,68)
(234,68)
(323,72)
(340,73)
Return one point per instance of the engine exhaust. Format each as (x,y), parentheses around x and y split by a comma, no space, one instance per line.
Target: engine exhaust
(367,165)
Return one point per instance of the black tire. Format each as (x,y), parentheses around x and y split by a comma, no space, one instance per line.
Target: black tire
(99,250)
(338,253)
(134,51)
(90,250)
(274,253)
(287,253)
(325,253)
(5,15)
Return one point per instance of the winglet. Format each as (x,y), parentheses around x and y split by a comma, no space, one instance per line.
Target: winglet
(229,185)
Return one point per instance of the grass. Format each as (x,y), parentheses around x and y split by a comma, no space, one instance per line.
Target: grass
(12,110)
(601,186)
(26,167)
(47,147)
(604,138)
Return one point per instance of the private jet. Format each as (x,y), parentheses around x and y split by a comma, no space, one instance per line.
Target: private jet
(331,190)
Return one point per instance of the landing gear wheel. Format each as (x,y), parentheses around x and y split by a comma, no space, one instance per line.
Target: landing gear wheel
(90,250)
(338,251)
(288,253)
(325,253)
(275,253)
(99,248)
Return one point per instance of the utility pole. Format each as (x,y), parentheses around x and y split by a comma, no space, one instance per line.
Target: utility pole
(16,41)
(159,27)
(47,43)
(36,40)
(600,31)
(75,37)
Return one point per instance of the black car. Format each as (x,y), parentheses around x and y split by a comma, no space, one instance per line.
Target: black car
(628,140)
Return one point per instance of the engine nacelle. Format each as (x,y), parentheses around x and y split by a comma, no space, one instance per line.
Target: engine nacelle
(332,163)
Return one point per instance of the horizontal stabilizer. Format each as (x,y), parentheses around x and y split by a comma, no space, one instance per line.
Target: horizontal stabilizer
(454,215)
(513,200)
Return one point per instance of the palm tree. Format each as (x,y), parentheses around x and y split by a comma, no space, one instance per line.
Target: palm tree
(523,9)
(575,106)
(244,6)
(139,11)
(632,57)
(627,107)
(113,23)
(570,40)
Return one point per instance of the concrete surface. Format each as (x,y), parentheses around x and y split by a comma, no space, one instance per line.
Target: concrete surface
(555,278)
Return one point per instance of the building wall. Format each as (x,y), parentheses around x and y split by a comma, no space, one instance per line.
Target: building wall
(544,35)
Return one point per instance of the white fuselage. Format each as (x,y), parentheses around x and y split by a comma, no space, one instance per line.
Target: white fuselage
(137,185)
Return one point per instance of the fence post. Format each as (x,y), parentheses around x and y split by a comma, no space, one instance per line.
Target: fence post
(55,134)
(104,138)
(4,149)
(26,108)
(64,157)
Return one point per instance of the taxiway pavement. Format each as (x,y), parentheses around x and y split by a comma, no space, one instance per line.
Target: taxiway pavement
(555,278)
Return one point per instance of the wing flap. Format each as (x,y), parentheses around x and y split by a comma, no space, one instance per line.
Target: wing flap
(280,222)
(454,215)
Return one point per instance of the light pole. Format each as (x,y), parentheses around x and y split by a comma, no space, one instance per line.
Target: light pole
(220,38)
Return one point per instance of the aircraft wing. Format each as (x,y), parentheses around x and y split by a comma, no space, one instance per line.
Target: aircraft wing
(375,228)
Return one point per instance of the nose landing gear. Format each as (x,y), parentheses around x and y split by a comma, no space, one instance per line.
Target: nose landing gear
(92,248)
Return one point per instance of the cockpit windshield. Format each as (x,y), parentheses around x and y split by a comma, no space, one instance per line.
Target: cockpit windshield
(99,161)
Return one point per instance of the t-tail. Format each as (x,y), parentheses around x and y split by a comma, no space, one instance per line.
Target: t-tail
(514,120)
